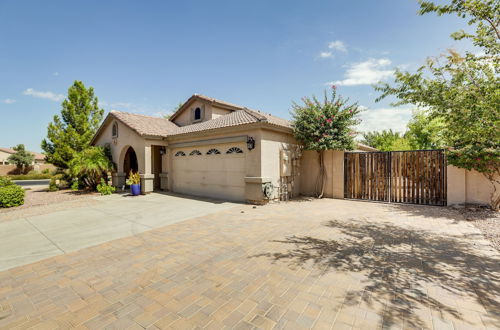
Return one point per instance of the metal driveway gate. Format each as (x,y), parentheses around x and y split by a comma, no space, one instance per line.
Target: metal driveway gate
(416,177)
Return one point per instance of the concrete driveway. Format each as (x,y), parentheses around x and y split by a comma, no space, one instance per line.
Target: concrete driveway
(33,238)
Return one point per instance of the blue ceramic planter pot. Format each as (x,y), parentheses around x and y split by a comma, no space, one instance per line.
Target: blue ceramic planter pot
(135,189)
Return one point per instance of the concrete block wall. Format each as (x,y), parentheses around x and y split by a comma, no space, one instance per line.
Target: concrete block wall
(468,187)
(334,166)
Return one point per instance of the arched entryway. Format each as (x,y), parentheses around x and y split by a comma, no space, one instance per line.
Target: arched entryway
(130,162)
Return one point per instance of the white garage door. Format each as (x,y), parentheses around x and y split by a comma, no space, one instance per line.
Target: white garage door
(216,171)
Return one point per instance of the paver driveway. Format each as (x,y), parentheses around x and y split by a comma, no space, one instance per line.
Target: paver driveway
(319,264)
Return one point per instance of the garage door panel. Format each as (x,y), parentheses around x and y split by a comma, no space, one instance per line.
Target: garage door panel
(217,175)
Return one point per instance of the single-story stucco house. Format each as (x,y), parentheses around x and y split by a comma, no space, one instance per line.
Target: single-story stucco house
(208,147)
(5,153)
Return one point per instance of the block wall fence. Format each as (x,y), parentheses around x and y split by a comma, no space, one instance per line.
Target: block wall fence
(462,186)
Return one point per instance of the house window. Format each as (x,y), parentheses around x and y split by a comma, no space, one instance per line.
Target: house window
(195,153)
(197,114)
(234,150)
(180,153)
(114,130)
(213,152)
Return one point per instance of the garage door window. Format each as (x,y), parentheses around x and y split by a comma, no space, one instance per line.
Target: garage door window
(180,153)
(213,152)
(195,153)
(234,150)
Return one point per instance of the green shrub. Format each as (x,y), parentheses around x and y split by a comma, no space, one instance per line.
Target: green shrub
(11,195)
(75,186)
(5,181)
(56,182)
(53,186)
(104,188)
(30,176)
(46,171)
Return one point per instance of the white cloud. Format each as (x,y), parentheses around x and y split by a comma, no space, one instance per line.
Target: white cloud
(55,73)
(366,73)
(384,118)
(325,54)
(9,101)
(44,95)
(337,45)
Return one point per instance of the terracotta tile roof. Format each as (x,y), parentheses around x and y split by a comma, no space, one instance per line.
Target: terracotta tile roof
(236,118)
(38,156)
(8,150)
(146,125)
(154,126)
(211,99)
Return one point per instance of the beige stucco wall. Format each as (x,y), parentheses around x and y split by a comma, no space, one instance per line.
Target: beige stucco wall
(126,138)
(334,168)
(215,112)
(468,187)
(271,144)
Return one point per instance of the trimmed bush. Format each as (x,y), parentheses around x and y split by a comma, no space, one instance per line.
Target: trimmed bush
(105,189)
(54,185)
(75,186)
(5,181)
(11,195)
(31,176)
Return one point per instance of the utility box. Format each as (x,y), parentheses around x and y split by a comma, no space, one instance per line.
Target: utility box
(286,163)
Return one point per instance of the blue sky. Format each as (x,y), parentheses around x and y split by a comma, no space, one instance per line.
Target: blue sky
(147,56)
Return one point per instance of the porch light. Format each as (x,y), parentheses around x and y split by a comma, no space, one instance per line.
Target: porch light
(250,143)
(163,151)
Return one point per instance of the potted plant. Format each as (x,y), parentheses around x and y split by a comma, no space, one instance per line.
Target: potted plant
(134,181)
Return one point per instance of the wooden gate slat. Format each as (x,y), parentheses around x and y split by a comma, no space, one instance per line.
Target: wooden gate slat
(417,177)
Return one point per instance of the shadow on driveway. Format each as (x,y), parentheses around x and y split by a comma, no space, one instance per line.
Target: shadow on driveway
(403,268)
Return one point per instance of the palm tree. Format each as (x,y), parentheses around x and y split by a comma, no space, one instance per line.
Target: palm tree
(90,165)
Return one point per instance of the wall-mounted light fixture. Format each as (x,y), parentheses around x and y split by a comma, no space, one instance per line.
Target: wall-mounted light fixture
(250,143)
(163,151)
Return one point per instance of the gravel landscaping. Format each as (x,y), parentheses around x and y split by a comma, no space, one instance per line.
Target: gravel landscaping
(41,201)
(487,221)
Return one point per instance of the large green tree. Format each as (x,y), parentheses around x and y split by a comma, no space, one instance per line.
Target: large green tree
(72,131)
(385,140)
(22,158)
(323,125)
(462,89)
(425,132)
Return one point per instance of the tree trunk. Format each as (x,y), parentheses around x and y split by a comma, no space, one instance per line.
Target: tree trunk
(494,179)
(320,182)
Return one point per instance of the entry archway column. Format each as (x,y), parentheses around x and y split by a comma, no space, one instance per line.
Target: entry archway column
(147,177)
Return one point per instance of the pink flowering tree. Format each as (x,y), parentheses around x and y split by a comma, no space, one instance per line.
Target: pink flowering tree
(325,125)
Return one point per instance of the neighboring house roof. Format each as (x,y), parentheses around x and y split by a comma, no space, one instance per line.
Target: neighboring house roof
(364,147)
(37,155)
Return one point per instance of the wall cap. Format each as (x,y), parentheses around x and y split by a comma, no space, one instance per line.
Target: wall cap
(257,179)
